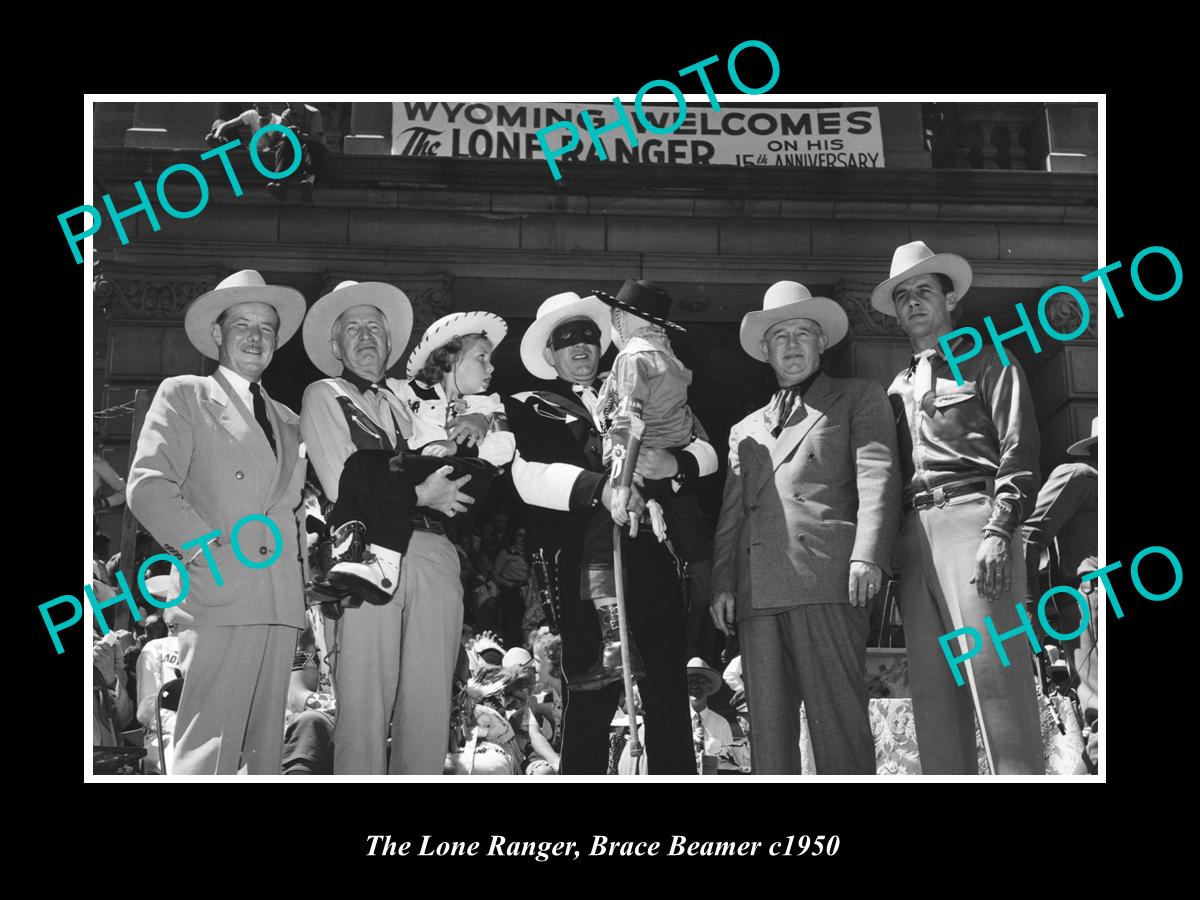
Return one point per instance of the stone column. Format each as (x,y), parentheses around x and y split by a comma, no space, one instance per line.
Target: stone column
(370,129)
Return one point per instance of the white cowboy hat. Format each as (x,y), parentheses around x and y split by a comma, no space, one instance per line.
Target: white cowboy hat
(246,286)
(387,298)
(452,326)
(165,587)
(914,259)
(1084,447)
(791,300)
(517,656)
(553,311)
(697,666)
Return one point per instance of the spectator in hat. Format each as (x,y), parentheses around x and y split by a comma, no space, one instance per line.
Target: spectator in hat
(1065,518)
(711,733)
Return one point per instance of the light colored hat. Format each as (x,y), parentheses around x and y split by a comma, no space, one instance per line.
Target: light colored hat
(517,656)
(455,325)
(246,286)
(914,259)
(1084,447)
(791,300)
(557,309)
(697,666)
(387,298)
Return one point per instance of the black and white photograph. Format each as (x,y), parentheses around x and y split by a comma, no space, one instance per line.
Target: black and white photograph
(708,432)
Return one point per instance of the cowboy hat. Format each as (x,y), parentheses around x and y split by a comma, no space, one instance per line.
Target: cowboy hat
(644,299)
(915,259)
(697,666)
(1084,447)
(552,312)
(455,325)
(387,298)
(791,300)
(246,286)
(517,656)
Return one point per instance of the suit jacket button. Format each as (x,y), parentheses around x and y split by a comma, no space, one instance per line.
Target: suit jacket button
(262,551)
(239,475)
(812,456)
(797,496)
(799,537)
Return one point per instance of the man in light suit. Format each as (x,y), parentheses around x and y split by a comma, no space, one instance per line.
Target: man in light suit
(810,509)
(218,474)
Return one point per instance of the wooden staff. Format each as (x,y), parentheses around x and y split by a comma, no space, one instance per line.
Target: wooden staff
(635,745)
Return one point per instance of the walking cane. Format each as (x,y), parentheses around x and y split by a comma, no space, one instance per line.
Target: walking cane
(635,746)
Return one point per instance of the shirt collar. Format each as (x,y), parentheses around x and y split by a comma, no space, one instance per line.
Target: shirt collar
(801,387)
(937,351)
(362,384)
(236,381)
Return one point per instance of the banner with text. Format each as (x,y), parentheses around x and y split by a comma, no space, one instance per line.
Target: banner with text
(734,136)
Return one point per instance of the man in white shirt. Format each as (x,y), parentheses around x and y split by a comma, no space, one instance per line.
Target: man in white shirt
(711,733)
(243,126)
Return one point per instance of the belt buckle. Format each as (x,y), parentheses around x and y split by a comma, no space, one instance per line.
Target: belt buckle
(939,496)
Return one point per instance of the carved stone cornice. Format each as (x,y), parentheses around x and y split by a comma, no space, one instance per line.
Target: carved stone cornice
(1064,315)
(158,295)
(865,321)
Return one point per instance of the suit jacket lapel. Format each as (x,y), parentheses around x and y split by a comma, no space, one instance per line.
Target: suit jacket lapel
(802,421)
(759,441)
(233,416)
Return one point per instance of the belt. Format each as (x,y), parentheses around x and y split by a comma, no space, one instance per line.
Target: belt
(422,522)
(939,495)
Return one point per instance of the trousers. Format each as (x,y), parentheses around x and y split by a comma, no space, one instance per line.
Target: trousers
(816,654)
(937,564)
(234,695)
(395,668)
(656,618)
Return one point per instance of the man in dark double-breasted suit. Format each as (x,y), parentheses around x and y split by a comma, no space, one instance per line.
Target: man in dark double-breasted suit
(810,509)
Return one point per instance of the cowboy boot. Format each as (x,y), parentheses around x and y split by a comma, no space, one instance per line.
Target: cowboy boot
(607,668)
(366,571)
(345,544)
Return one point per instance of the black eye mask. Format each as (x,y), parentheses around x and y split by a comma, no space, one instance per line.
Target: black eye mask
(572,333)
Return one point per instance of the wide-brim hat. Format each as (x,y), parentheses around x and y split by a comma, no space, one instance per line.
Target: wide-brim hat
(1084,447)
(644,299)
(246,286)
(455,325)
(165,587)
(557,309)
(387,298)
(791,300)
(915,259)
(697,666)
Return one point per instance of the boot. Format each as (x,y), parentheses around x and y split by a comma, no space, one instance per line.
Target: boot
(345,544)
(374,576)
(607,668)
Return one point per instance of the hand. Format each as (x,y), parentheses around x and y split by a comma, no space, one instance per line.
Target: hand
(439,493)
(470,429)
(108,657)
(865,581)
(617,504)
(722,611)
(439,448)
(993,568)
(635,507)
(654,463)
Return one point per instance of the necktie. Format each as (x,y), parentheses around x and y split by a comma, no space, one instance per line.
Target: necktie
(587,394)
(923,378)
(783,405)
(699,740)
(376,400)
(401,417)
(260,413)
